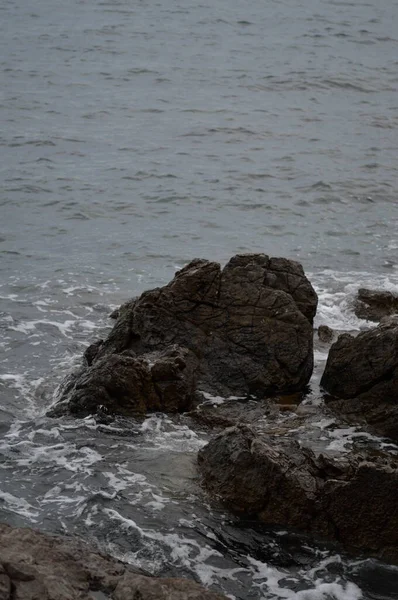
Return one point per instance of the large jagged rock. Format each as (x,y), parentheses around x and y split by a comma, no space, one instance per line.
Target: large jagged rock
(352,501)
(35,566)
(373,305)
(249,325)
(361,376)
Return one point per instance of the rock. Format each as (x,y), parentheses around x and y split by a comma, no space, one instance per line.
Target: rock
(286,485)
(392,320)
(91,352)
(232,412)
(373,305)
(115,314)
(133,587)
(325,334)
(361,375)
(129,385)
(249,325)
(36,566)
(250,411)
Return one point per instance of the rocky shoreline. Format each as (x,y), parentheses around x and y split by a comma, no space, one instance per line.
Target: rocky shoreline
(36,566)
(351,501)
(246,332)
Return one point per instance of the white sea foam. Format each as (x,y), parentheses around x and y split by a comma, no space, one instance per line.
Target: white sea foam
(273,583)
(53,432)
(216,400)
(320,356)
(55,496)
(16,378)
(25,387)
(124,479)
(27,327)
(158,502)
(70,291)
(164,434)
(182,551)
(19,506)
(341,439)
(345,436)
(337,291)
(64,455)
(330,591)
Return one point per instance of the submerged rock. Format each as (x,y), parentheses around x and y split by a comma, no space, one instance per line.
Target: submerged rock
(325,333)
(373,305)
(361,375)
(352,501)
(36,566)
(249,326)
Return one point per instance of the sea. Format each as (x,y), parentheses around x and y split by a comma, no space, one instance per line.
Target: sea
(136,135)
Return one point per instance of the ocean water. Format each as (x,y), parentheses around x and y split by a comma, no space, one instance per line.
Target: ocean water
(135,136)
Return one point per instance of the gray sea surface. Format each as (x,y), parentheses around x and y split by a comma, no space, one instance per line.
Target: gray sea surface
(134,136)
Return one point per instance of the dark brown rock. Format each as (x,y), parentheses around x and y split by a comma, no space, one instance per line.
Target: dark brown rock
(361,376)
(249,325)
(5,584)
(133,587)
(325,333)
(35,566)
(352,501)
(91,352)
(373,305)
(115,314)
(129,385)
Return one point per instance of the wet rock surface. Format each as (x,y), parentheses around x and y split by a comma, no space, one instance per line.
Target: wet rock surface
(373,305)
(325,333)
(351,500)
(219,414)
(249,326)
(361,376)
(129,385)
(35,566)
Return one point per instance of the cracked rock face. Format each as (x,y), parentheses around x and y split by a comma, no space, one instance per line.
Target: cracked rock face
(361,376)
(249,326)
(35,566)
(351,501)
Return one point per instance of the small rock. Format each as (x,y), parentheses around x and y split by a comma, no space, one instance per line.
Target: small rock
(325,333)
(361,376)
(373,305)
